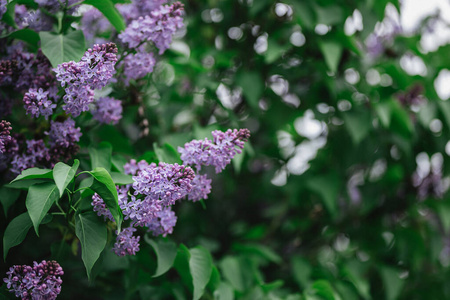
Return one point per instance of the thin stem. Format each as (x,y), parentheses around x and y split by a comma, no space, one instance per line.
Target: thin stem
(60,208)
(58,214)
(80,189)
(84,172)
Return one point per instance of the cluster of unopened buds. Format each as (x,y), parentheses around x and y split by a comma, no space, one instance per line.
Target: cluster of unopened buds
(40,281)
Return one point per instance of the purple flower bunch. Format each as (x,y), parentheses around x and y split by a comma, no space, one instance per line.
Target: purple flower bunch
(163,183)
(36,102)
(217,152)
(93,71)
(5,135)
(158,27)
(24,70)
(3,7)
(41,281)
(126,243)
(63,137)
(108,110)
(138,65)
(36,154)
(155,189)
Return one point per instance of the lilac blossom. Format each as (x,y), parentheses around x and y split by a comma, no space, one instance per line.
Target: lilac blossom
(36,103)
(64,134)
(25,70)
(132,167)
(35,154)
(139,8)
(42,281)
(158,27)
(163,182)
(163,222)
(108,110)
(56,5)
(5,135)
(94,24)
(93,71)
(218,152)
(138,65)
(126,243)
(3,7)
(201,187)
(8,68)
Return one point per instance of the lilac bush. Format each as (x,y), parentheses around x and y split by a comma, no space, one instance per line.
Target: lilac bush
(61,97)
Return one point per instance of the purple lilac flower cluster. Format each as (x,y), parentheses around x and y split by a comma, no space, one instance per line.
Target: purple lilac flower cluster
(126,243)
(8,69)
(163,183)
(36,102)
(5,135)
(41,281)
(138,65)
(35,154)
(25,70)
(108,110)
(156,188)
(63,137)
(93,71)
(217,153)
(3,7)
(158,27)
(56,5)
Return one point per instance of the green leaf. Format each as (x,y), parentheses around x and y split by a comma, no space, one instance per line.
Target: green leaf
(274,50)
(16,232)
(329,15)
(181,264)
(8,197)
(224,292)
(101,156)
(33,173)
(328,187)
(268,287)
(354,271)
(120,178)
(302,271)
(358,125)
(64,174)
(26,183)
(104,186)
(166,251)
(200,265)
(393,284)
(332,52)
(107,8)
(39,200)
(60,48)
(231,270)
(324,289)
(252,85)
(92,233)
(260,250)
(214,280)
(8,16)
(167,154)
(26,35)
